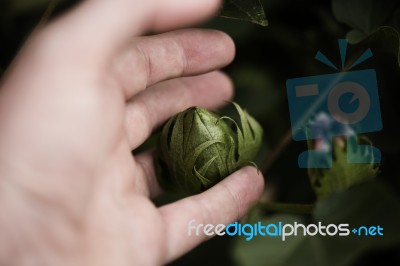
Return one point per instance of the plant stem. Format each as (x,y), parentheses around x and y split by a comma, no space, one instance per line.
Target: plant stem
(46,15)
(287,207)
(274,155)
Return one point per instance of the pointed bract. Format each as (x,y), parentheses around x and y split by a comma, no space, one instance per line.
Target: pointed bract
(198,148)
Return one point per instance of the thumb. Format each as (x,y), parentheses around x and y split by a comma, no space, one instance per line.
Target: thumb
(222,204)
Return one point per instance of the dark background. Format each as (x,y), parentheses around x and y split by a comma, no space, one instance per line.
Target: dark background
(266,58)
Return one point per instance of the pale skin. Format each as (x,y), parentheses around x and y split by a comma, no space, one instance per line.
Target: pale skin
(83,93)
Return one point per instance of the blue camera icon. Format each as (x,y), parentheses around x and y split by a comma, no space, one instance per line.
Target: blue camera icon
(339,104)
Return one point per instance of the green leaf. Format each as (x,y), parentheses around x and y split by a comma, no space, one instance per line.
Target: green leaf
(342,175)
(248,10)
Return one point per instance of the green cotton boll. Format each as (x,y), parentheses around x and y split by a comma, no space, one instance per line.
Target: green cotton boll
(198,148)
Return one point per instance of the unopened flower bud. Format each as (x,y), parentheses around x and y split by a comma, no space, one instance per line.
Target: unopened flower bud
(198,148)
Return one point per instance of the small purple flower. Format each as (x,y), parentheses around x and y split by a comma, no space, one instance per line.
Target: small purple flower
(323,128)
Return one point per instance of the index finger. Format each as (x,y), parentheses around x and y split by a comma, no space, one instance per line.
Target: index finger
(108,23)
(224,203)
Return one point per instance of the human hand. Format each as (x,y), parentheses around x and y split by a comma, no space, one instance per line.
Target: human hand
(83,93)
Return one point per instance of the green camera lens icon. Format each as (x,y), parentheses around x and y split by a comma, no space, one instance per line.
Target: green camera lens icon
(339,104)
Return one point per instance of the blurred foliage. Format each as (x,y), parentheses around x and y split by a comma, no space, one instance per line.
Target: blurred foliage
(266,58)
(18,19)
(370,18)
(370,204)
